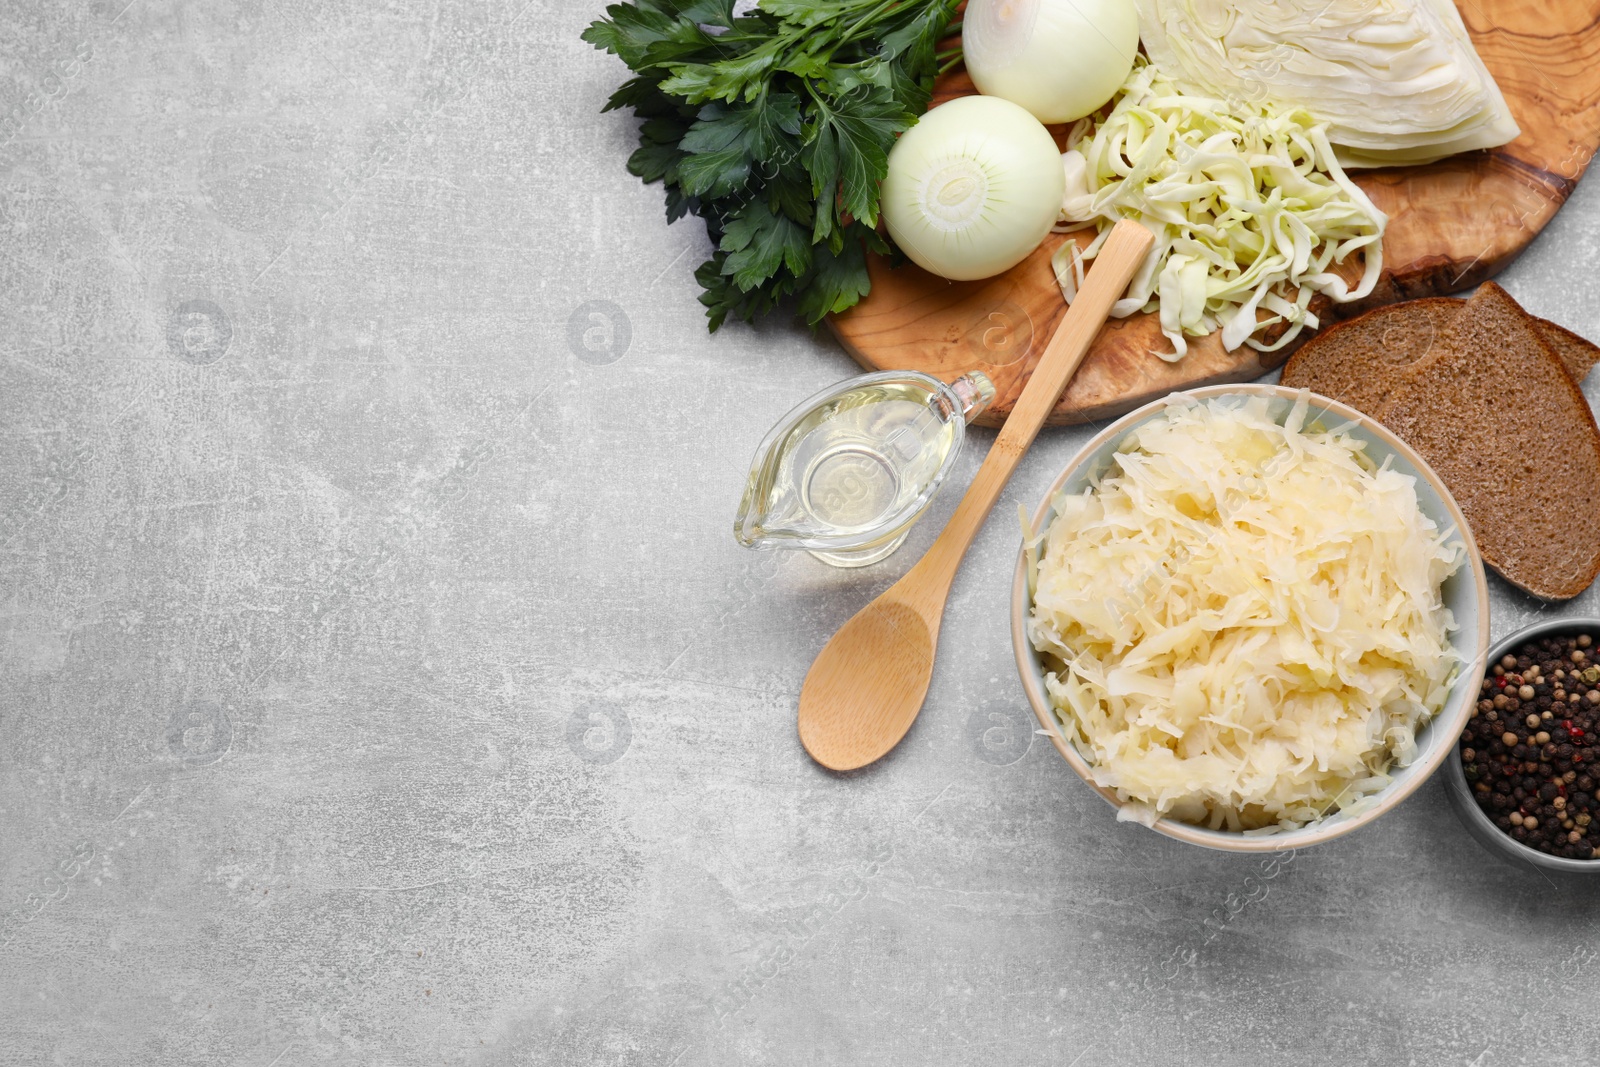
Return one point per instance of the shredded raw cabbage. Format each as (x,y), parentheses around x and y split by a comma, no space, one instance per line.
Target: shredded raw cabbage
(1245,619)
(1250,212)
(1398,81)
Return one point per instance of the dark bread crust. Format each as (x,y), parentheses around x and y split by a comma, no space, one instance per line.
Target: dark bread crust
(1495,411)
(1578,354)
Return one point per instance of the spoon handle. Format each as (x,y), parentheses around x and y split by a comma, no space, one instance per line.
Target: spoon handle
(1113,268)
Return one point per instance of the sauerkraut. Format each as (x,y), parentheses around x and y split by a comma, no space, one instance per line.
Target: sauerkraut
(1244,618)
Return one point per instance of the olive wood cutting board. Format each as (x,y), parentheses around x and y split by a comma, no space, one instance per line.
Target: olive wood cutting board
(1452,225)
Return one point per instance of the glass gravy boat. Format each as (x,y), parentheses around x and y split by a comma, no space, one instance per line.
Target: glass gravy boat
(847,473)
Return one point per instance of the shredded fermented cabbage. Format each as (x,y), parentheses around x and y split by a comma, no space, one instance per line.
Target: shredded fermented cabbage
(1249,212)
(1398,81)
(1244,619)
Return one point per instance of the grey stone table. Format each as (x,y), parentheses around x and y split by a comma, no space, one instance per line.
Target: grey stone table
(380,682)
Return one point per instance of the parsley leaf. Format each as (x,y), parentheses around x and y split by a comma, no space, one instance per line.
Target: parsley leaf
(759,242)
(727,140)
(848,147)
(839,280)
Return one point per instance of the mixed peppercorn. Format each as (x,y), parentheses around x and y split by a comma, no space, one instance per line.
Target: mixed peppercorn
(1529,750)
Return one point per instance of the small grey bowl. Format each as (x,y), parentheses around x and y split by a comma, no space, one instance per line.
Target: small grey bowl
(1478,824)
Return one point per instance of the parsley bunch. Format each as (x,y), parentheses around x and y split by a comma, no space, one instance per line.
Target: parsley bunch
(775,128)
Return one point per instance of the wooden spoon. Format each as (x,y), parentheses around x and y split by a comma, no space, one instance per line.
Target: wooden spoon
(868,683)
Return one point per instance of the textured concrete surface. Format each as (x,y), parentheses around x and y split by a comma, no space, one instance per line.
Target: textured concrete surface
(381,684)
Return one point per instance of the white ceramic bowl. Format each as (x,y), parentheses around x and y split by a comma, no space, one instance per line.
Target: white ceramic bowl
(1465,593)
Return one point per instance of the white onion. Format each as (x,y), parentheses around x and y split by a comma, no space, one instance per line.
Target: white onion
(972,188)
(1060,59)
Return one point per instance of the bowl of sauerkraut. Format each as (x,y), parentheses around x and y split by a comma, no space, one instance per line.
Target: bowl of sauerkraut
(1250,617)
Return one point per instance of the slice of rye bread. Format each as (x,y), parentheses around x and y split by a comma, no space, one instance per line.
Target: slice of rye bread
(1360,361)
(1497,415)
(1579,355)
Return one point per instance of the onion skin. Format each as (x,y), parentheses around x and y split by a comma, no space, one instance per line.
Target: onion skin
(973,188)
(1060,59)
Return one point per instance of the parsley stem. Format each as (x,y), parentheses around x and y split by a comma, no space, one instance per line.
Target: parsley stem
(865,20)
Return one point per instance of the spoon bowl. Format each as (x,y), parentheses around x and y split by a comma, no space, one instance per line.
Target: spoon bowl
(867,683)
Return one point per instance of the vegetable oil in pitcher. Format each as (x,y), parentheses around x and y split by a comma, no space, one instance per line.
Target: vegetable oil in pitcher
(847,473)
